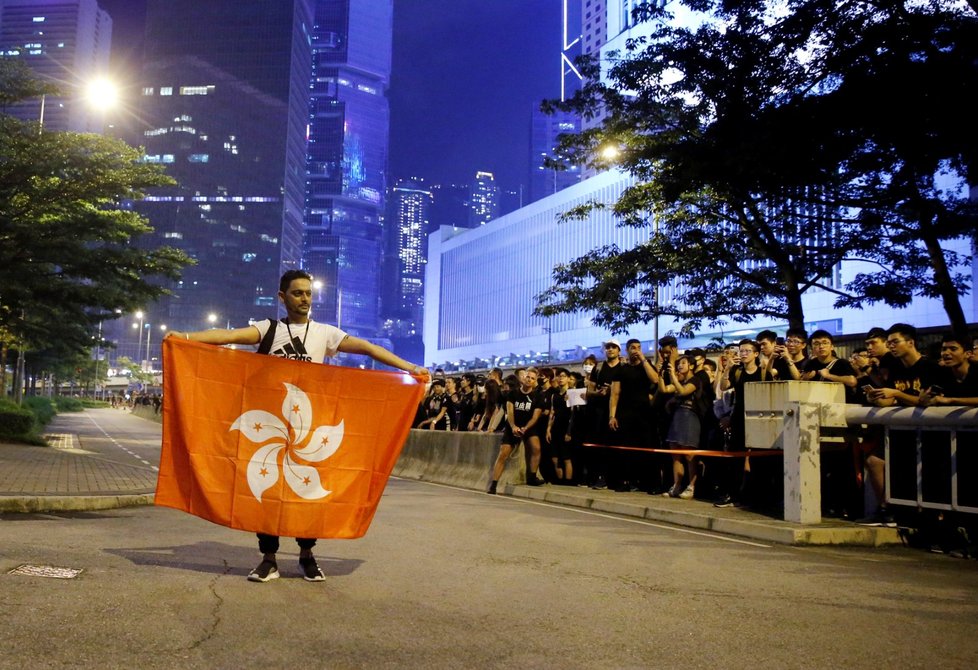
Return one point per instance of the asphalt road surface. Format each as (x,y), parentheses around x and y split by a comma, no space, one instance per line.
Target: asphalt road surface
(454,579)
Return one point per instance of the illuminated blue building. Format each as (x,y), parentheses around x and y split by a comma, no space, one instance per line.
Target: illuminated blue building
(224,106)
(348,120)
(481,287)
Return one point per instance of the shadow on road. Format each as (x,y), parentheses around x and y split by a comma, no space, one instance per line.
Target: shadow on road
(221,558)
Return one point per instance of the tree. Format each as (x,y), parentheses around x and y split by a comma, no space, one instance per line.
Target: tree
(67,253)
(751,170)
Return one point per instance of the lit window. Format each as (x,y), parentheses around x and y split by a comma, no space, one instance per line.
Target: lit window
(38,19)
(167,158)
(148,90)
(166,90)
(247,258)
(155,131)
(195,90)
(173,236)
(198,158)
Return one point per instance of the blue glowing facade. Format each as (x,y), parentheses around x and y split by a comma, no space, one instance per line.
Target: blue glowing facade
(481,287)
(346,181)
(223,106)
(64,42)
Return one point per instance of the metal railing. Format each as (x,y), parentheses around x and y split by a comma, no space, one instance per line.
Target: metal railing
(923,422)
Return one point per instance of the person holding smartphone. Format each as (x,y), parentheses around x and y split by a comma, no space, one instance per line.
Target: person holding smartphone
(958,382)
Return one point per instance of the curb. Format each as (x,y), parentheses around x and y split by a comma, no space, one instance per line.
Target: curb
(62,503)
(778,532)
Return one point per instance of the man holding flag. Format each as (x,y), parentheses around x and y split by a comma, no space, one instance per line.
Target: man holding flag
(298,338)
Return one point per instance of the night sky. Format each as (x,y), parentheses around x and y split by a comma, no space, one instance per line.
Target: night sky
(466,75)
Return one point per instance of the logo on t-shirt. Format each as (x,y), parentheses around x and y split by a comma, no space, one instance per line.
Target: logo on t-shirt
(294,351)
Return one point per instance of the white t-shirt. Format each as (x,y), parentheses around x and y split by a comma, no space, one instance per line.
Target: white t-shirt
(310,341)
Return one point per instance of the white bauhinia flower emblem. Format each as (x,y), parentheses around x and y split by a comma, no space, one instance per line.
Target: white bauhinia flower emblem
(275,435)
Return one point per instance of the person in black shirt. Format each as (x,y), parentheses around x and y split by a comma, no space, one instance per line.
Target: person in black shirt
(523,411)
(958,382)
(630,416)
(599,383)
(437,408)
(823,366)
(905,385)
(790,356)
(467,401)
(559,435)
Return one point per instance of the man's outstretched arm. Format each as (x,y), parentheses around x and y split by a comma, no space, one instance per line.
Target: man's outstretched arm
(248,335)
(356,345)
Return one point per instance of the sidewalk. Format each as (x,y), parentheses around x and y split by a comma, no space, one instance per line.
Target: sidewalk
(66,477)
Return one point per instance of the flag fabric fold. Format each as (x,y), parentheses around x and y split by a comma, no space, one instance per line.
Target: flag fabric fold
(283,447)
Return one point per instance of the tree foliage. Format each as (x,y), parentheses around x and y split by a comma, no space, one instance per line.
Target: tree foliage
(771,143)
(67,258)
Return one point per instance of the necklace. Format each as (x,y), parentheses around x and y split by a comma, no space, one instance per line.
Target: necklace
(304,335)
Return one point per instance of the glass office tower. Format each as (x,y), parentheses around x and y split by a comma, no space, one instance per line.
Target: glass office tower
(224,106)
(349,123)
(65,42)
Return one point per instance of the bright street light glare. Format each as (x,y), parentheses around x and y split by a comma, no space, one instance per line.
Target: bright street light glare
(610,152)
(102,94)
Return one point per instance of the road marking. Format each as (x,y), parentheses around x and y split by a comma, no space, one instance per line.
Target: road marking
(116,443)
(641,522)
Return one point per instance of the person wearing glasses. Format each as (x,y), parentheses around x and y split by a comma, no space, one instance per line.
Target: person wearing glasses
(908,380)
(790,357)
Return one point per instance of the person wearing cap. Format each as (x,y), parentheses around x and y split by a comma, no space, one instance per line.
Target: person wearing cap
(598,396)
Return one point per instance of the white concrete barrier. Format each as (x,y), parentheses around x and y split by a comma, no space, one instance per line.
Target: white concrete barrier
(457,459)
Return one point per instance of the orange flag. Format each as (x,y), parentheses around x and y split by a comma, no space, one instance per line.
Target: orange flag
(275,446)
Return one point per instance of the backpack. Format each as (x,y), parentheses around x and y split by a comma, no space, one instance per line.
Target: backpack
(266,342)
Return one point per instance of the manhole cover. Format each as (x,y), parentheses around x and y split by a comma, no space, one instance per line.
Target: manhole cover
(45,571)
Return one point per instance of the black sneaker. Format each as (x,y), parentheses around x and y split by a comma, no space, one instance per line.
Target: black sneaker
(725,501)
(266,571)
(310,570)
(599,484)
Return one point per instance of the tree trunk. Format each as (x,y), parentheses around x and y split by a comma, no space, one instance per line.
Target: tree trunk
(3,369)
(942,278)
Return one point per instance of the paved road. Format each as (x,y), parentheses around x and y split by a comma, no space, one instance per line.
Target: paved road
(455,579)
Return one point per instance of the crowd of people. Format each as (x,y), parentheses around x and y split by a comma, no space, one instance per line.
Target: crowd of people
(693,402)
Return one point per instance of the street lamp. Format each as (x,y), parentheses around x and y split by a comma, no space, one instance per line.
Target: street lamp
(149,356)
(139,336)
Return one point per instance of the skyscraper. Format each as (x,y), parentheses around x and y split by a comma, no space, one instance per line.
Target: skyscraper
(65,42)
(224,107)
(349,126)
(483,199)
(409,211)
(545,130)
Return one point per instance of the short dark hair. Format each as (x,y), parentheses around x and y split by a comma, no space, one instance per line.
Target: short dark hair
(469,377)
(904,329)
(291,276)
(710,363)
(751,343)
(768,335)
(823,334)
(961,338)
(875,333)
(631,342)
(797,332)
